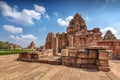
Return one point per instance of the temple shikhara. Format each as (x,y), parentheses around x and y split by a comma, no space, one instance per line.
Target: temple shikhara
(77,47)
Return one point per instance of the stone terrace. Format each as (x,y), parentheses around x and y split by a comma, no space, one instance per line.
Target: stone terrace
(10,69)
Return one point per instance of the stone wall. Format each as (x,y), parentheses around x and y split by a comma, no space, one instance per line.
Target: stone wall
(28,56)
(92,58)
(90,38)
(114,46)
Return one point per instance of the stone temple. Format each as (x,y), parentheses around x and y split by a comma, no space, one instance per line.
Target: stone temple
(78,47)
(77,35)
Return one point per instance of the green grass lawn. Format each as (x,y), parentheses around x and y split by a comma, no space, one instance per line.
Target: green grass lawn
(7,52)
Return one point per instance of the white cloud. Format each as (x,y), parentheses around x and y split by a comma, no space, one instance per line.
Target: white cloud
(29,36)
(109,28)
(39,8)
(64,22)
(69,18)
(12,37)
(86,18)
(56,14)
(25,17)
(48,17)
(13,29)
(115,32)
(23,40)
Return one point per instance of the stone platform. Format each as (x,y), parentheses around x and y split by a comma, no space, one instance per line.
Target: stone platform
(94,57)
(55,60)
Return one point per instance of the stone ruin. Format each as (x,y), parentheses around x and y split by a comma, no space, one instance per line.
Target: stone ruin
(95,58)
(78,46)
(14,47)
(113,43)
(77,35)
(49,41)
(109,36)
(32,46)
(75,42)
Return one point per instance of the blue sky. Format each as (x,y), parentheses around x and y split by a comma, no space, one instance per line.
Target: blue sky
(22,21)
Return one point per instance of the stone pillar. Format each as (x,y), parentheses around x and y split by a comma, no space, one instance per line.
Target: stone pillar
(55,46)
(70,41)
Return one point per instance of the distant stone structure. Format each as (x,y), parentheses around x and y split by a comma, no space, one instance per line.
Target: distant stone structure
(32,45)
(109,36)
(14,47)
(11,46)
(113,43)
(17,47)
